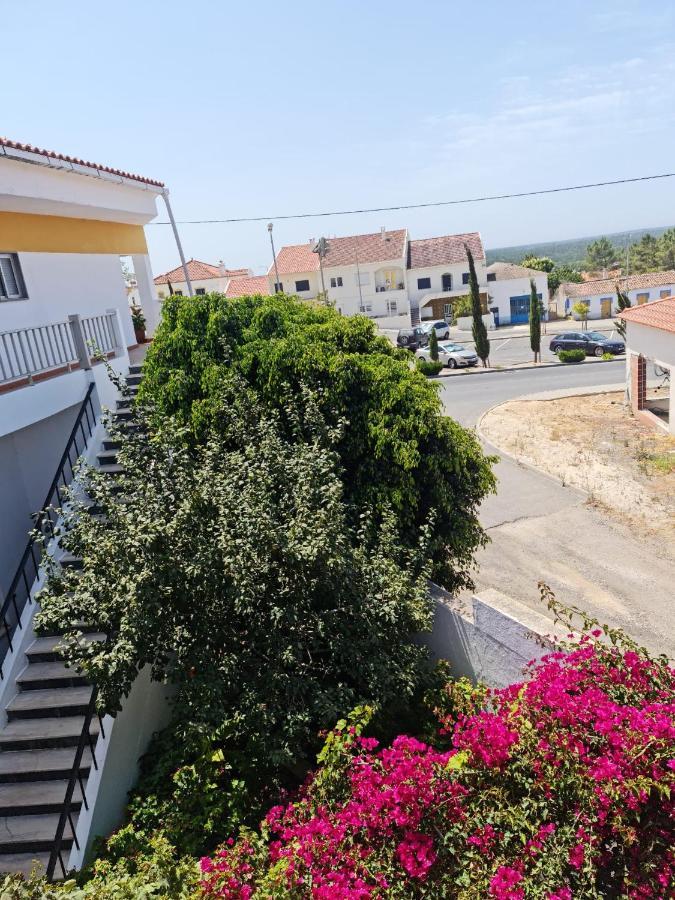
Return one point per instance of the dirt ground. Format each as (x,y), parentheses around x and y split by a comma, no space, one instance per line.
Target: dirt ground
(593,443)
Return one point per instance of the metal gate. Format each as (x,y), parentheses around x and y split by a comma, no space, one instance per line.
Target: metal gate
(520,309)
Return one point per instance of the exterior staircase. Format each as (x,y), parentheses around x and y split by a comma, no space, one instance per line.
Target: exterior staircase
(45,722)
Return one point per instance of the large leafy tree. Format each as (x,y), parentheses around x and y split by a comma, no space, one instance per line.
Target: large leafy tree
(556,273)
(541,263)
(478,329)
(644,254)
(535,321)
(398,452)
(601,254)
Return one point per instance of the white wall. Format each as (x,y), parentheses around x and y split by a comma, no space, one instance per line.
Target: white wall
(490,638)
(436,273)
(465,323)
(501,291)
(653,343)
(210,285)
(60,284)
(594,300)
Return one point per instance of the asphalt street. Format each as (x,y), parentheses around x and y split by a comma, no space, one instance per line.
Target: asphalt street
(542,530)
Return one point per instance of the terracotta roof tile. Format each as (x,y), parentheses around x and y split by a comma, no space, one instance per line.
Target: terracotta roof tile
(253,284)
(608,285)
(52,154)
(198,271)
(342,251)
(444,250)
(657,314)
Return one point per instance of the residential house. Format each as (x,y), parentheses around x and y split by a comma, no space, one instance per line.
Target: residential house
(509,291)
(438,273)
(650,352)
(203,276)
(600,295)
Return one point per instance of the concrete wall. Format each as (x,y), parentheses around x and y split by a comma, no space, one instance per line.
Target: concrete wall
(653,343)
(435,273)
(501,291)
(491,638)
(465,323)
(595,300)
(210,286)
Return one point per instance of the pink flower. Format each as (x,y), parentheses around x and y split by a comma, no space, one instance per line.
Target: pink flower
(561,894)
(576,856)
(416,854)
(503,884)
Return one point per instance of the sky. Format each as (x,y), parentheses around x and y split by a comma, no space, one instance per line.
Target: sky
(269,108)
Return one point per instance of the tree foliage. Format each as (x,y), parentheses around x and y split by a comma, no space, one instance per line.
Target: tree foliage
(478,329)
(535,321)
(601,254)
(541,263)
(433,345)
(644,255)
(556,273)
(397,452)
(581,310)
(623,302)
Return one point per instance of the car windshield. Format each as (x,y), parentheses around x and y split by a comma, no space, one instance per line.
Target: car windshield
(596,336)
(451,348)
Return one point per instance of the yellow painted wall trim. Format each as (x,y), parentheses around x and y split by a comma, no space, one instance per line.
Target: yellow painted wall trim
(28,233)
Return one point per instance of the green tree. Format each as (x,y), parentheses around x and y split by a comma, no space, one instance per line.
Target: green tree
(433,345)
(399,454)
(535,321)
(666,250)
(556,273)
(541,263)
(601,255)
(644,254)
(623,302)
(478,329)
(581,309)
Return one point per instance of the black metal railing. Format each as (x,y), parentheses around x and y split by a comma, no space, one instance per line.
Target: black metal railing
(19,593)
(75,779)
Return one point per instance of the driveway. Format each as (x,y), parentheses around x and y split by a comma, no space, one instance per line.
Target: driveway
(540,530)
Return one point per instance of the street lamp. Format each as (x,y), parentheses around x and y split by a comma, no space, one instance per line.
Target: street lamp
(277,287)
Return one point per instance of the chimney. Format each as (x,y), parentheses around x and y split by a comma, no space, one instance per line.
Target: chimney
(221,267)
(382,231)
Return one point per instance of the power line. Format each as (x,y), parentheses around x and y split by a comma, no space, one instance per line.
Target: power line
(355,212)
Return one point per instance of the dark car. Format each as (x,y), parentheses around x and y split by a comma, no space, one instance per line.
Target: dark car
(593,343)
(412,338)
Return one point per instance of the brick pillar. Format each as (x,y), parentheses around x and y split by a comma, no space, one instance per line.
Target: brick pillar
(638,383)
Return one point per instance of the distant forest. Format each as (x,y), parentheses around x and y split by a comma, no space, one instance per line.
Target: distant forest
(571,252)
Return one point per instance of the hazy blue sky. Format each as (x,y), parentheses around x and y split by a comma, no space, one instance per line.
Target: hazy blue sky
(262,108)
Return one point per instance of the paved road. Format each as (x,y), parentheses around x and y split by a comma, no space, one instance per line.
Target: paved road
(542,530)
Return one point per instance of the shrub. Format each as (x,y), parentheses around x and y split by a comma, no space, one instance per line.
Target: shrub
(398,453)
(138,318)
(571,356)
(429,367)
(558,787)
(607,356)
(461,306)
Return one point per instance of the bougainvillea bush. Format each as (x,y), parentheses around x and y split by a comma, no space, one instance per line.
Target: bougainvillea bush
(559,787)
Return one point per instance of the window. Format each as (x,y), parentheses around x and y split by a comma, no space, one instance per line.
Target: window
(302,285)
(491,276)
(200,291)
(446,281)
(11,279)
(642,298)
(178,293)
(465,278)
(362,278)
(367,308)
(447,310)
(336,282)
(665,293)
(392,307)
(278,287)
(423,284)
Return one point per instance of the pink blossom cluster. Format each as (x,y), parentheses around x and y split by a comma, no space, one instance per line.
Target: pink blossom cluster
(561,786)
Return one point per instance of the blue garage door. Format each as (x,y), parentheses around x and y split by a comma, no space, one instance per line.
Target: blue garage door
(520,309)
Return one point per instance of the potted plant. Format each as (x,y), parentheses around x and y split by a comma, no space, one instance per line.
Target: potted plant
(138,321)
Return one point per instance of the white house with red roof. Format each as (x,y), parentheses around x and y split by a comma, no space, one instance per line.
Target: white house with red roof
(204,277)
(600,294)
(650,353)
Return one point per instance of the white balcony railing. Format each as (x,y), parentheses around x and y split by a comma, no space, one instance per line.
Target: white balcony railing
(38,349)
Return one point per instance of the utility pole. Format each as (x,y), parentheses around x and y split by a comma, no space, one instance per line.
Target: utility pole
(321,248)
(165,195)
(277,288)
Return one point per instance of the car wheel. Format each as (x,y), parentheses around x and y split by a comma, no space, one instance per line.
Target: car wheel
(554,348)
(598,351)
(452,363)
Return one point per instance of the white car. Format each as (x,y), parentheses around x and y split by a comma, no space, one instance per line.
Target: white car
(441,328)
(451,355)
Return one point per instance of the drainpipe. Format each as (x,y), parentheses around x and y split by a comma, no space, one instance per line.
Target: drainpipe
(165,195)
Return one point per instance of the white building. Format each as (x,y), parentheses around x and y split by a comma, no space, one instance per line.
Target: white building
(509,291)
(204,277)
(383,275)
(600,294)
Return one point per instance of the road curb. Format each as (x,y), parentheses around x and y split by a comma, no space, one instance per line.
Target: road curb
(525,368)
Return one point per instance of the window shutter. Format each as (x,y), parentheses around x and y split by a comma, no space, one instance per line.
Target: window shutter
(9,284)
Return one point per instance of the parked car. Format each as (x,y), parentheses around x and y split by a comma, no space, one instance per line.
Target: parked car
(412,338)
(593,343)
(441,328)
(451,355)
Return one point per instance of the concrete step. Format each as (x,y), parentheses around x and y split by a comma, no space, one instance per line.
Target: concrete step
(32,834)
(43,649)
(69,561)
(34,798)
(41,676)
(135,369)
(134,379)
(44,734)
(23,862)
(123,414)
(111,468)
(41,765)
(49,703)
(107,457)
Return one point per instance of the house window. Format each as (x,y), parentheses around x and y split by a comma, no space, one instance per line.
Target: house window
(642,298)
(447,312)
(446,281)
(465,278)
(423,284)
(491,276)
(392,307)
(336,282)
(178,293)
(200,291)
(362,278)
(302,285)
(367,308)
(665,293)
(11,279)
(278,287)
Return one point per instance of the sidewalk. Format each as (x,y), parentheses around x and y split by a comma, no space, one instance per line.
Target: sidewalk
(523,331)
(479,370)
